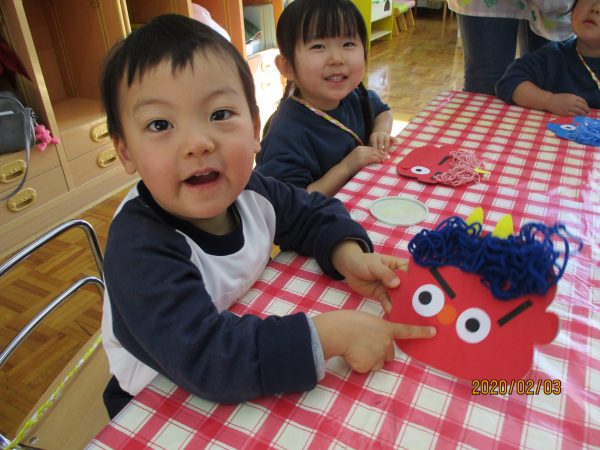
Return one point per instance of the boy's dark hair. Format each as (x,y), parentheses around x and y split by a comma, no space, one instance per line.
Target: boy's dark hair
(306,20)
(573,5)
(168,37)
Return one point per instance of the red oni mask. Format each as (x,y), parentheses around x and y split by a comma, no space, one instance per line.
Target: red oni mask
(424,163)
(478,336)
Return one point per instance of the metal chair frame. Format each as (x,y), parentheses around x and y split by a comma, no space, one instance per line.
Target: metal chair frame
(19,257)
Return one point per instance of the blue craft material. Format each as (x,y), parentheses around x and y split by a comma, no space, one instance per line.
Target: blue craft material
(521,264)
(583,130)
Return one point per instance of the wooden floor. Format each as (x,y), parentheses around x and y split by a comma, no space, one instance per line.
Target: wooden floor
(407,71)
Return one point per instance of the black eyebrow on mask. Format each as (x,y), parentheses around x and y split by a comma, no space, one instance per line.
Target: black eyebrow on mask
(445,286)
(515,312)
(443,160)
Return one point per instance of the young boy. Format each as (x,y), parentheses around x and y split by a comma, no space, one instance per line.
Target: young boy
(561,77)
(196,233)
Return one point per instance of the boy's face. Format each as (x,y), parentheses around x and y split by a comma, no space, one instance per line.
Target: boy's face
(585,21)
(190,136)
(327,70)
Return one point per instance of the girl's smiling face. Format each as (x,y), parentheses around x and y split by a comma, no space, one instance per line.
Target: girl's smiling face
(190,136)
(326,69)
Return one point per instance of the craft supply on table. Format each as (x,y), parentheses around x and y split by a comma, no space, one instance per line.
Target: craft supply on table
(399,210)
(583,130)
(443,164)
(487,294)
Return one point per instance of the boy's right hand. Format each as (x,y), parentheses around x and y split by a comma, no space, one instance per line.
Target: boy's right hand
(365,341)
(567,105)
(362,156)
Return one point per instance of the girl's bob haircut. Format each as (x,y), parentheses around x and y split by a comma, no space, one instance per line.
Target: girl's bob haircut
(307,20)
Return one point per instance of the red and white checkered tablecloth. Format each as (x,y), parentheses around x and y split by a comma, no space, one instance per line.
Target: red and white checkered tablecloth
(535,177)
(514,142)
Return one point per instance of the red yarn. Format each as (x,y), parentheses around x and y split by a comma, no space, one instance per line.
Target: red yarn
(462,169)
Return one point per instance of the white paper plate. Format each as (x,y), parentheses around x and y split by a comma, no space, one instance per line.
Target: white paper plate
(399,210)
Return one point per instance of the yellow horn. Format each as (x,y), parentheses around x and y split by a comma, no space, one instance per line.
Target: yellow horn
(475,216)
(504,227)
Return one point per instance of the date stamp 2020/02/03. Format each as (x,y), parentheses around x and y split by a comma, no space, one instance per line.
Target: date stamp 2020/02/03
(515,386)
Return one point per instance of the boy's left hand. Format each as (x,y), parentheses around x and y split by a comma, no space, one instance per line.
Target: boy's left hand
(369,274)
(568,105)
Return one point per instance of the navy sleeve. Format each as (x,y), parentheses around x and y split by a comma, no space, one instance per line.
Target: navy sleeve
(310,224)
(301,147)
(282,156)
(376,104)
(531,67)
(163,315)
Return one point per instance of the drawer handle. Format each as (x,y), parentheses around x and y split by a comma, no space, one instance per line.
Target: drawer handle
(266,66)
(99,132)
(106,158)
(12,171)
(22,200)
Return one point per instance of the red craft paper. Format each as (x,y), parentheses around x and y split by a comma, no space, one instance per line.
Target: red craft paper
(505,353)
(424,163)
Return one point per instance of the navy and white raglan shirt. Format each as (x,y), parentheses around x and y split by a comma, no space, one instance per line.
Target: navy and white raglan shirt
(301,146)
(169,284)
(555,67)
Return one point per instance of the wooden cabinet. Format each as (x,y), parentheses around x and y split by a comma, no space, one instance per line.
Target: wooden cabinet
(230,15)
(62,44)
(378,18)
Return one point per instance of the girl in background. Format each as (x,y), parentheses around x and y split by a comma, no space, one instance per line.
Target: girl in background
(561,77)
(492,31)
(328,126)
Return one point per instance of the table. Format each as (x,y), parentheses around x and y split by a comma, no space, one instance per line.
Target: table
(536,177)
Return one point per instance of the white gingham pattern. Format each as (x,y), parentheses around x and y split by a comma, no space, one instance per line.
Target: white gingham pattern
(408,405)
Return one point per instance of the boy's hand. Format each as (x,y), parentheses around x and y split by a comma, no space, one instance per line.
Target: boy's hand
(365,341)
(567,105)
(382,141)
(362,156)
(369,274)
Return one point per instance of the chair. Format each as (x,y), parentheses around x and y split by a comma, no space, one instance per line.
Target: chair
(403,16)
(80,414)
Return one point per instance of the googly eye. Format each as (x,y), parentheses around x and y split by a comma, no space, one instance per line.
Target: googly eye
(473,325)
(568,127)
(428,300)
(420,170)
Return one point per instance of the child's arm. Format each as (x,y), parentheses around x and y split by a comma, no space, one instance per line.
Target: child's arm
(380,142)
(364,341)
(321,227)
(382,127)
(531,81)
(164,316)
(529,95)
(290,157)
(335,178)
(369,274)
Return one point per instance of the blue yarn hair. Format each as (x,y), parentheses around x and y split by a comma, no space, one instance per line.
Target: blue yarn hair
(588,132)
(521,264)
